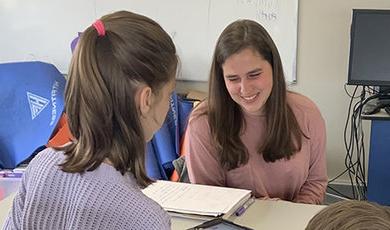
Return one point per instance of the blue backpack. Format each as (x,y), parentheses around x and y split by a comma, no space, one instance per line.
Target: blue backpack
(164,148)
(31,103)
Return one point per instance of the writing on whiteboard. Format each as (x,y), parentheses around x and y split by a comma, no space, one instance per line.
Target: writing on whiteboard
(266,9)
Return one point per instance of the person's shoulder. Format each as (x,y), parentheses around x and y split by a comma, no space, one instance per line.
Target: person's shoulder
(306,112)
(48,156)
(301,103)
(200,109)
(199,114)
(43,165)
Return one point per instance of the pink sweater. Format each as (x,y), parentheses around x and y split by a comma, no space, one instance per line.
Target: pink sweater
(303,178)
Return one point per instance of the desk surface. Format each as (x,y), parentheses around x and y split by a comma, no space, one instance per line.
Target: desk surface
(265,214)
(262,214)
(381,115)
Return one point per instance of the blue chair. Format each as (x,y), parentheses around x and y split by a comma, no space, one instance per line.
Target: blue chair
(31,103)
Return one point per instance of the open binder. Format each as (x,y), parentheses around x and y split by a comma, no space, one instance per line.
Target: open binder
(197,200)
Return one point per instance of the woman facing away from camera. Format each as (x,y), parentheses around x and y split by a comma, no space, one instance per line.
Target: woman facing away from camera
(251,132)
(120,80)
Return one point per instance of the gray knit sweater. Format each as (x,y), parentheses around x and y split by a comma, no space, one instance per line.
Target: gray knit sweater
(49,198)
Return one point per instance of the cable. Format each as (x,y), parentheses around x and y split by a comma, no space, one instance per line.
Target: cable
(349,144)
(357,134)
(355,158)
(353,135)
(339,193)
(342,173)
(336,196)
(346,91)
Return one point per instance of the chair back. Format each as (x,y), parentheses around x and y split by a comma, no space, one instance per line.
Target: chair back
(31,103)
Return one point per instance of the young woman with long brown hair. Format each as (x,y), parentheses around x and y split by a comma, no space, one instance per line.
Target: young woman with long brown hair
(251,132)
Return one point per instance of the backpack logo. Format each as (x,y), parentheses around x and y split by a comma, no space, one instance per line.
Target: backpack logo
(37,104)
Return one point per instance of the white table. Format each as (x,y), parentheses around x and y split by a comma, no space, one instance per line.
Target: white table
(262,214)
(266,214)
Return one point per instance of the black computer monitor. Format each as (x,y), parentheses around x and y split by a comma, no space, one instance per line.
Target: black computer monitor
(369,57)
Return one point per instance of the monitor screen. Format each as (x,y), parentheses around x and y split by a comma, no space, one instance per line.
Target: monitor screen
(369,57)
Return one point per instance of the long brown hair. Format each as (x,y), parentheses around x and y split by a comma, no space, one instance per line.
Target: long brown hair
(104,76)
(283,134)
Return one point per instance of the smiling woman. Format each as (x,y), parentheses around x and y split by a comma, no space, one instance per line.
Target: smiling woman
(248,79)
(252,133)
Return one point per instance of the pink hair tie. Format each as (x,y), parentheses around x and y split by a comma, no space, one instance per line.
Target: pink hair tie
(99,26)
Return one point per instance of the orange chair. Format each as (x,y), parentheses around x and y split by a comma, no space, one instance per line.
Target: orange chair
(62,133)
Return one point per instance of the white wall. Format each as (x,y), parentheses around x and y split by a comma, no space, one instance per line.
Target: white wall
(322,67)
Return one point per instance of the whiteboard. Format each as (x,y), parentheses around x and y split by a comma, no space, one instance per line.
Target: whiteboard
(43,29)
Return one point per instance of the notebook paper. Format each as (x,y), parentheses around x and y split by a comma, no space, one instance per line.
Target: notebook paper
(196,199)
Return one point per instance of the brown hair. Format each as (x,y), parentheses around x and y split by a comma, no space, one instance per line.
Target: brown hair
(283,134)
(352,214)
(104,76)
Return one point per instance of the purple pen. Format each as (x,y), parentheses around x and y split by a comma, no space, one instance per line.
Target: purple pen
(240,211)
(244,207)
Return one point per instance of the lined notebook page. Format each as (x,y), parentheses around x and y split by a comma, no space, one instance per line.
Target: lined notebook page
(196,199)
